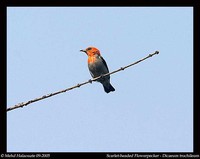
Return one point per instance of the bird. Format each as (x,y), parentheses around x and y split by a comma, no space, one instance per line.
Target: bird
(97,67)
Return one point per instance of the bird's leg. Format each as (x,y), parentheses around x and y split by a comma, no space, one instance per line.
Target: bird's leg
(101,77)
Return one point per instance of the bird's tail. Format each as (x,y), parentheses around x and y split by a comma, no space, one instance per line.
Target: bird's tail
(108,88)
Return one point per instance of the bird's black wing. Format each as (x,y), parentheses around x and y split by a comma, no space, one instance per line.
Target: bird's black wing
(104,62)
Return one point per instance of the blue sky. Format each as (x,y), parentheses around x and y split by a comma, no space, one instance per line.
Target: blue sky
(152,107)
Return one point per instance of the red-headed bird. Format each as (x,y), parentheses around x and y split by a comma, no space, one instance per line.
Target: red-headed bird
(97,67)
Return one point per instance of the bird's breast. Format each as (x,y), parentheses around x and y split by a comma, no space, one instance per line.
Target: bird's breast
(96,66)
(91,59)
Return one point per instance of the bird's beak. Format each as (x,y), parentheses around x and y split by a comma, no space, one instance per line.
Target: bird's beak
(83,51)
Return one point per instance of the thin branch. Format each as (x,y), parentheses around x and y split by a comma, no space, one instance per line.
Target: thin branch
(78,85)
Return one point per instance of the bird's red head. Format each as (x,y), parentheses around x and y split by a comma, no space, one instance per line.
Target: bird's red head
(91,51)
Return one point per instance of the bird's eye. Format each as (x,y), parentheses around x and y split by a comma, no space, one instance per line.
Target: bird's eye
(89,48)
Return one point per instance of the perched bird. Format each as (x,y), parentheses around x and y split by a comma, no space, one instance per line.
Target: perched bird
(97,67)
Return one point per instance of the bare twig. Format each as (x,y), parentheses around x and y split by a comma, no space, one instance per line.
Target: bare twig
(78,85)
